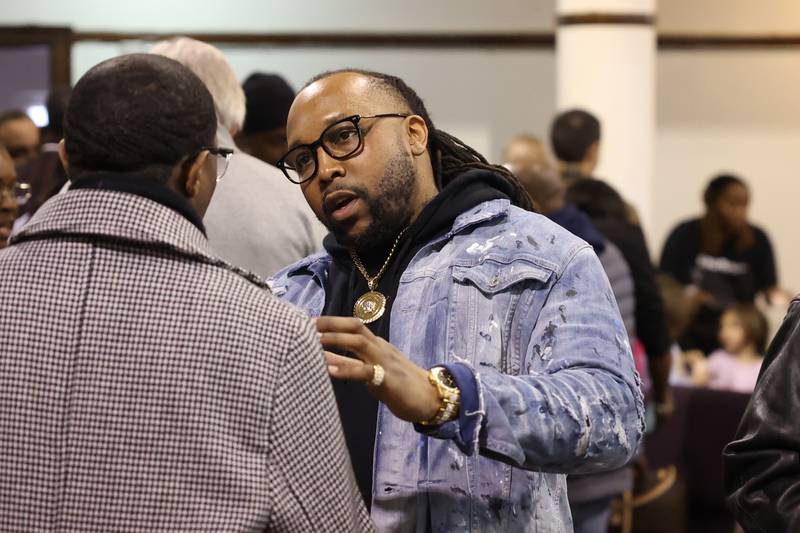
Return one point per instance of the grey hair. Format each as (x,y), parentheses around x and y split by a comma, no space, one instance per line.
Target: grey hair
(212,67)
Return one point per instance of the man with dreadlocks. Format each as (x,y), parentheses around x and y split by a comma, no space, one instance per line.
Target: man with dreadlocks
(476,348)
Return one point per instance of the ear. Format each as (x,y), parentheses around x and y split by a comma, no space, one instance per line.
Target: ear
(594,151)
(62,155)
(417,134)
(193,173)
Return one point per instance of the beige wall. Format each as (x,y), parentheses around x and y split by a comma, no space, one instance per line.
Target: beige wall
(484,97)
(681,16)
(249,16)
(725,16)
(734,110)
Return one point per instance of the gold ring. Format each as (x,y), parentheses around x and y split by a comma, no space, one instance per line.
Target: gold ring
(377,375)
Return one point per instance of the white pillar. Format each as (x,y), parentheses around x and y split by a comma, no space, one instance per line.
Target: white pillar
(605,57)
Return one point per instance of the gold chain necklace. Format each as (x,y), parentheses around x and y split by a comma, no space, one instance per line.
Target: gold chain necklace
(371,305)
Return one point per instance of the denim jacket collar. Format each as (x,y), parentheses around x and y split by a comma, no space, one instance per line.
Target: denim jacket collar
(317,264)
(478,215)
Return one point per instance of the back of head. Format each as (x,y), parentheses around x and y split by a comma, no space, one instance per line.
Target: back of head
(597,199)
(269,98)
(137,113)
(212,67)
(544,185)
(573,133)
(527,151)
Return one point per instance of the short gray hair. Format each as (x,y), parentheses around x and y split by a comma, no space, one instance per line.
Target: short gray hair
(213,68)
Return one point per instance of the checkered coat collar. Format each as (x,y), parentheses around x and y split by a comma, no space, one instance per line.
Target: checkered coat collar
(102,215)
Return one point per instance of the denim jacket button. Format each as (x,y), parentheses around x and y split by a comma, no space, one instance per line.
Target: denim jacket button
(494,281)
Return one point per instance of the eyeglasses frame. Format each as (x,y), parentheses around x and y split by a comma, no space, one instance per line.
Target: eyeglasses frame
(314,146)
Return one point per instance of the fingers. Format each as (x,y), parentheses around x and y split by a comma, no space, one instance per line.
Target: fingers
(357,344)
(342,367)
(342,324)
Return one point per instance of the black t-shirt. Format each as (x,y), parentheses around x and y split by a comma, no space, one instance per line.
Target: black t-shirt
(730,277)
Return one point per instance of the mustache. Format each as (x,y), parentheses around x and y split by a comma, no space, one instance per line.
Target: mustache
(356,190)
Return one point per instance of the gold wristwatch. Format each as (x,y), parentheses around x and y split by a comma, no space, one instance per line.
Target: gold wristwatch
(449,395)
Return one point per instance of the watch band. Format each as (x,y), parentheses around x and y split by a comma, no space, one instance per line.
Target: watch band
(449,396)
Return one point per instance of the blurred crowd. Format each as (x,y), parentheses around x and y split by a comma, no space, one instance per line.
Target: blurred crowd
(701,316)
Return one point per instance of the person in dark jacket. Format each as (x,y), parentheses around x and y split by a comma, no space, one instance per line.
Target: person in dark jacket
(608,212)
(575,136)
(762,464)
(590,496)
(548,191)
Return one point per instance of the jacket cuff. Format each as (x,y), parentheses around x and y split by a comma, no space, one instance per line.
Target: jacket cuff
(464,430)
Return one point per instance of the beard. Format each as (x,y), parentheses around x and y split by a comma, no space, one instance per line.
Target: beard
(390,209)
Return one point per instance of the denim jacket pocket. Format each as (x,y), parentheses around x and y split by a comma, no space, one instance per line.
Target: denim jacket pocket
(496,275)
(483,305)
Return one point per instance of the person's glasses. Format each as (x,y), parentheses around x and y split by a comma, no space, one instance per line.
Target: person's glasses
(223,156)
(340,140)
(20,192)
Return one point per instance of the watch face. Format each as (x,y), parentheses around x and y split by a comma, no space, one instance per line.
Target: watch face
(444,377)
(447,377)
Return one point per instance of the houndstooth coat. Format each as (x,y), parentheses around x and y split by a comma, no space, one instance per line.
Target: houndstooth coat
(146,385)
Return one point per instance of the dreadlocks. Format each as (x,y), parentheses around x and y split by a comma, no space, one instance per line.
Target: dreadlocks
(449,155)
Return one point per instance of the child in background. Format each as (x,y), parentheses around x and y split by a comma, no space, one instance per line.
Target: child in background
(734,367)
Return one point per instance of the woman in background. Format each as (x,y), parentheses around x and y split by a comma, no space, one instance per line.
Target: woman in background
(721,259)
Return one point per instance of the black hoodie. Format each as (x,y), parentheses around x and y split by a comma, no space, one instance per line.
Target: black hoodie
(345,284)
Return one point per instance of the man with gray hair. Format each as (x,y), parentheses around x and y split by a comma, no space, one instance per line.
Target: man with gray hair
(256,220)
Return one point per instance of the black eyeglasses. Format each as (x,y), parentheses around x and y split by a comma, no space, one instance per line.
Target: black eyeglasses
(340,140)
(223,156)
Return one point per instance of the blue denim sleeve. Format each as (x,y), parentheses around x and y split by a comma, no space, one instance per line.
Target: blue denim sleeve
(576,405)
(462,429)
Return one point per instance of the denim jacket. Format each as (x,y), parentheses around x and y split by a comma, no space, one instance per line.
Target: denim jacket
(525,306)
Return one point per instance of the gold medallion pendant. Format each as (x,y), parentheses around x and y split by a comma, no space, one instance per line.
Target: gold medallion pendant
(370,307)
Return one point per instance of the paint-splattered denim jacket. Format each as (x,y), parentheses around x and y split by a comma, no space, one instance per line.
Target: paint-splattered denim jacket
(525,307)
